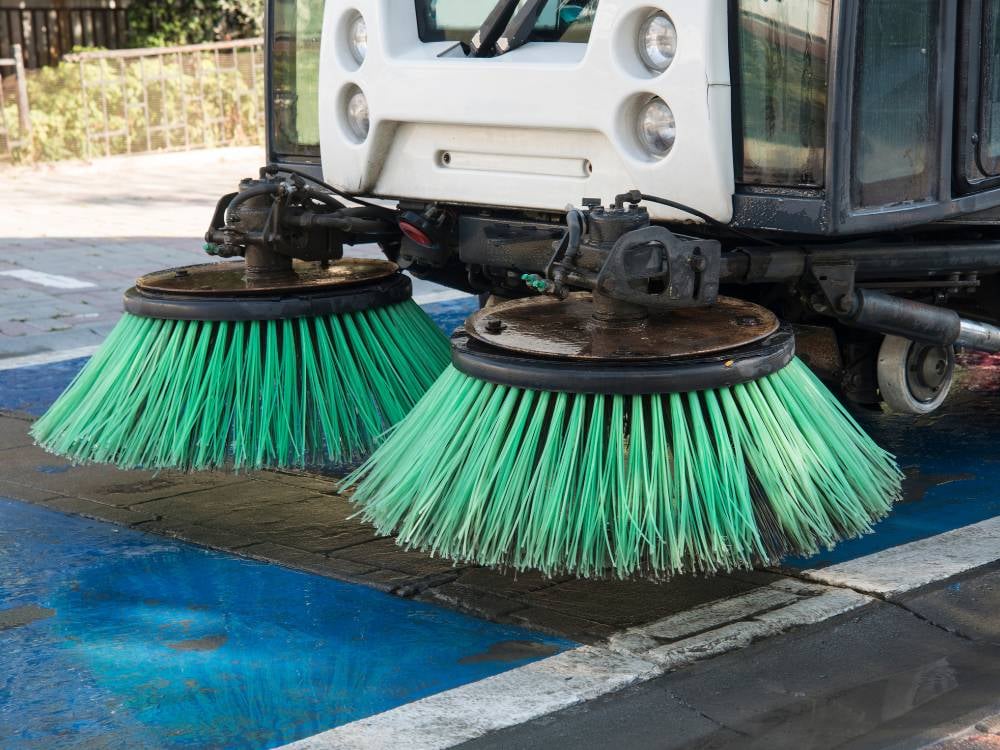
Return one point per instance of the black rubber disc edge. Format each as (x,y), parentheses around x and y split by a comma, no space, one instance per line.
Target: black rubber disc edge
(348,299)
(723,370)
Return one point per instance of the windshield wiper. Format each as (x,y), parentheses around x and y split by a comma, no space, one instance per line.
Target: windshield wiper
(518,31)
(484,43)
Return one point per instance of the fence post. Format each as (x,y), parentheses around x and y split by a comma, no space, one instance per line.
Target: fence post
(23,112)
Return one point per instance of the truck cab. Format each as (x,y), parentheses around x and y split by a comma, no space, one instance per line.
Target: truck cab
(845,154)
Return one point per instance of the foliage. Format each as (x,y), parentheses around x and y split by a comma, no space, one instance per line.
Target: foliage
(194,105)
(159,24)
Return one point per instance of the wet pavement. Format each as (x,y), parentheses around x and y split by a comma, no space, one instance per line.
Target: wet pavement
(879,678)
(894,674)
(118,639)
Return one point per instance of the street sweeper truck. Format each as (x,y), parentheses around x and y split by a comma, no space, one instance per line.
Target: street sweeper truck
(686,222)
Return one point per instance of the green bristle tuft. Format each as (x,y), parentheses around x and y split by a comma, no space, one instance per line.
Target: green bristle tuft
(627,485)
(249,395)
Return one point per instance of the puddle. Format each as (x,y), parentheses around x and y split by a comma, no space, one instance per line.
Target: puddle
(952,472)
(118,639)
(891,709)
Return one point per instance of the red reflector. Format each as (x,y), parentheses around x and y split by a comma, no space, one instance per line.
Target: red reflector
(415,234)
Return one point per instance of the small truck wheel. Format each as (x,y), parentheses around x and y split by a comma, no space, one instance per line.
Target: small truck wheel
(914,377)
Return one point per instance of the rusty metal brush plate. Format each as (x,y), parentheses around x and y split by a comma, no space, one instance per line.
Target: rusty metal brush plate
(566,329)
(230,279)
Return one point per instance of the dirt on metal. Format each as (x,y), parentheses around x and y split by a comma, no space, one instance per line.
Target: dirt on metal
(567,329)
(231,278)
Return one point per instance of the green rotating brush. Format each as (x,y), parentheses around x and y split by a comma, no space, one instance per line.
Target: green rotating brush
(691,441)
(211,368)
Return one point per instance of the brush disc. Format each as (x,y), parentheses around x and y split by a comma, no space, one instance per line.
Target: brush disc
(626,467)
(209,369)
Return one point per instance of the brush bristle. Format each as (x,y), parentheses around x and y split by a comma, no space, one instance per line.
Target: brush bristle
(249,395)
(627,486)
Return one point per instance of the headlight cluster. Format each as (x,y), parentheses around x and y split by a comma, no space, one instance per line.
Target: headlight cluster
(357,115)
(657,47)
(657,128)
(657,42)
(357,39)
(356,111)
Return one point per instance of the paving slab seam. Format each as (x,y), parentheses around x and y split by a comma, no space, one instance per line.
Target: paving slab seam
(721,725)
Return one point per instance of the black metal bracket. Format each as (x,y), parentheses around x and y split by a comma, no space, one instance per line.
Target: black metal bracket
(484,42)
(836,283)
(656,269)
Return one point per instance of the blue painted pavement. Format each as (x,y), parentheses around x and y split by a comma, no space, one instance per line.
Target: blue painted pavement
(952,464)
(112,638)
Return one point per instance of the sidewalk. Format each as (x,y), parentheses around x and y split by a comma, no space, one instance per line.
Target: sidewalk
(74,236)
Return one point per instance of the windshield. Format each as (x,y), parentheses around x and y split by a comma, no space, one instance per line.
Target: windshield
(458,20)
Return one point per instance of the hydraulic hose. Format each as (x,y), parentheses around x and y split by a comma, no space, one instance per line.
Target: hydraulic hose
(918,321)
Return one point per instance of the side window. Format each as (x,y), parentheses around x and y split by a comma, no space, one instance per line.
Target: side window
(989,95)
(783,90)
(895,123)
(297,26)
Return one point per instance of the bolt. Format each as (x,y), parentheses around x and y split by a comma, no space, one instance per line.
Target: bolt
(747,321)
(494,326)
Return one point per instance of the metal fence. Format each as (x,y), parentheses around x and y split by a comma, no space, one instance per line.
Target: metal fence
(14,86)
(171,98)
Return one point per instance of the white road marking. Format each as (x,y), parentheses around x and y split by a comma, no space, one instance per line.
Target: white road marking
(48,279)
(46,358)
(909,566)
(447,296)
(504,700)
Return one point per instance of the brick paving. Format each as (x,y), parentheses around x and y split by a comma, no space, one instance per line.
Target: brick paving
(302,522)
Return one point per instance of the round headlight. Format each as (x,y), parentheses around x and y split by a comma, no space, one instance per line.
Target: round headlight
(357,115)
(657,127)
(357,39)
(657,42)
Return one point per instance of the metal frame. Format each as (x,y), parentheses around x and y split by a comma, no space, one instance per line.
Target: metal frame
(970,81)
(829,211)
(171,131)
(310,165)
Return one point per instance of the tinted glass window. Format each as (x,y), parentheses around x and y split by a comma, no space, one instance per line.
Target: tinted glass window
(783,84)
(297,28)
(895,127)
(458,20)
(989,136)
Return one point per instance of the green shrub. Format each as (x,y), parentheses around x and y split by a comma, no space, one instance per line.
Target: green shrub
(158,24)
(187,109)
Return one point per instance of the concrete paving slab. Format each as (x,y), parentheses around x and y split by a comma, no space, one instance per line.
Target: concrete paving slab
(870,679)
(969,606)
